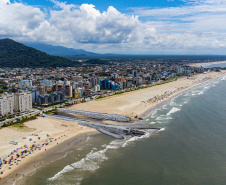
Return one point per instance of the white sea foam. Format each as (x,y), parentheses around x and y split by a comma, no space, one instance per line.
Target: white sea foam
(188,94)
(153,122)
(91,161)
(164,117)
(147,119)
(186,101)
(66,169)
(164,106)
(88,163)
(173,110)
(104,145)
(162,129)
(135,138)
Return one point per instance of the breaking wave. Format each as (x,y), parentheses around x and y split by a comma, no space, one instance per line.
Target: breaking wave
(93,159)
(173,110)
(164,117)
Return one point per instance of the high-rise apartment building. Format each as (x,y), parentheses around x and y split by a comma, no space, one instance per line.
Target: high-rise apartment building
(23,101)
(6,104)
(135,73)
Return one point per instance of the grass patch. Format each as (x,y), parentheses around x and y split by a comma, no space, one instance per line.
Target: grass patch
(22,127)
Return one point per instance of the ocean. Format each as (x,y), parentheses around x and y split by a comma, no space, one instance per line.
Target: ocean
(222,65)
(189,149)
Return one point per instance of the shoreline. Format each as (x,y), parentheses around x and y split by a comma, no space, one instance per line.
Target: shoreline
(51,155)
(206,63)
(28,166)
(166,102)
(138,103)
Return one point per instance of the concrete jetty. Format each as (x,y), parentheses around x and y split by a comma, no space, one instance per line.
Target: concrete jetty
(97,115)
(116,131)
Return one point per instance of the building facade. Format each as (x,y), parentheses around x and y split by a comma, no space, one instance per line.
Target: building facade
(6,104)
(23,102)
(25,83)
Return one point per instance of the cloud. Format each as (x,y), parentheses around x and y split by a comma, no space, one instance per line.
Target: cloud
(196,26)
(17,19)
(87,25)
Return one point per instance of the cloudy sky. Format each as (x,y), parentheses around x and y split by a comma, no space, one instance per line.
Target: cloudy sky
(122,26)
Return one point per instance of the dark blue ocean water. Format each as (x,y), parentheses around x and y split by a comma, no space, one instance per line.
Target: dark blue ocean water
(190,149)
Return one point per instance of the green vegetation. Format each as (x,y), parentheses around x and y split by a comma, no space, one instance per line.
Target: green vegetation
(20,121)
(96,61)
(103,74)
(54,111)
(14,54)
(3,87)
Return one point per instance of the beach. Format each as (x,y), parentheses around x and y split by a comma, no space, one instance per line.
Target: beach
(137,103)
(65,134)
(133,104)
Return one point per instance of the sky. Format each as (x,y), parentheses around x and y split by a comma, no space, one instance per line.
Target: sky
(186,27)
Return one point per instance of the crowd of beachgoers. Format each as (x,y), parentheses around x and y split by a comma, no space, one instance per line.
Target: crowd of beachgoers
(17,155)
(167,94)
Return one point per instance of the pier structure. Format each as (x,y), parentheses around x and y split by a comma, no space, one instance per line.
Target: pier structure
(97,115)
(116,131)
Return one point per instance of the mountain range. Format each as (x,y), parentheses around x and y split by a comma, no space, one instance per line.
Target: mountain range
(15,54)
(59,50)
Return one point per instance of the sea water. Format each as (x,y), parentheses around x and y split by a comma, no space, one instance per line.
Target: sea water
(222,65)
(189,149)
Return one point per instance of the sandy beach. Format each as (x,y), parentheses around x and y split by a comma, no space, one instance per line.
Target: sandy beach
(64,134)
(135,103)
(138,102)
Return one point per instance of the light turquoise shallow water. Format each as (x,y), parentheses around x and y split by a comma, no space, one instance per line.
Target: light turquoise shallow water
(191,149)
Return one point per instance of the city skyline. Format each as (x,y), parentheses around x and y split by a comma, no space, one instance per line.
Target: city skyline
(122,27)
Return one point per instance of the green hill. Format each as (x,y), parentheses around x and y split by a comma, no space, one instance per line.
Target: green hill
(96,62)
(14,54)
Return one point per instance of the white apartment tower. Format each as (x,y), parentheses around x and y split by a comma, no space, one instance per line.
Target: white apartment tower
(6,104)
(22,101)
